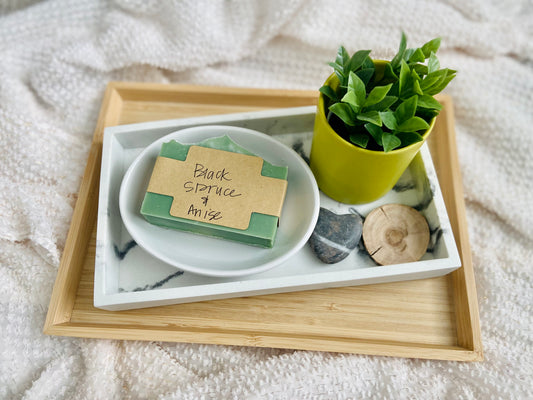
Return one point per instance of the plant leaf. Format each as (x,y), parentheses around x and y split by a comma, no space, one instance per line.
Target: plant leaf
(365,74)
(417,56)
(358,86)
(370,116)
(339,72)
(432,79)
(383,105)
(433,63)
(377,94)
(344,112)
(336,67)
(389,72)
(390,142)
(343,57)
(351,98)
(408,53)
(411,84)
(395,90)
(360,139)
(427,101)
(329,93)
(368,63)
(357,60)
(399,56)
(415,76)
(438,87)
(404,76)
(416,86)
(376,133)
(425,113)
(406,110)
(408,138)
(389,120)
(413,124)
(420,69)
(431,46)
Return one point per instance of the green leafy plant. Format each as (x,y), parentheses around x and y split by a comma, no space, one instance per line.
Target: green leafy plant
(390,109)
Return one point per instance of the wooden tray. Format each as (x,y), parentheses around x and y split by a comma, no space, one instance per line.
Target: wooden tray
(432,318)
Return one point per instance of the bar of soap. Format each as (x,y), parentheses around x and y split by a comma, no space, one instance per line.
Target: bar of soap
(196,194)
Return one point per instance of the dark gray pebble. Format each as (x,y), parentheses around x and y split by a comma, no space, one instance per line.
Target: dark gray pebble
(335,236)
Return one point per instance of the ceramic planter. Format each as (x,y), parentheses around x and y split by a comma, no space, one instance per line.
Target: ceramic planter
(348,173)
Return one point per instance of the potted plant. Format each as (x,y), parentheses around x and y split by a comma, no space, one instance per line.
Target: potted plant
(372,118)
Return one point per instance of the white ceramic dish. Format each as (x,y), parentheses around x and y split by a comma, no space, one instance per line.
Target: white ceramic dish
(216,257)
(127,276)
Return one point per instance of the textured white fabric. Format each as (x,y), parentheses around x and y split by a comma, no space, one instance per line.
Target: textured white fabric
(56,58)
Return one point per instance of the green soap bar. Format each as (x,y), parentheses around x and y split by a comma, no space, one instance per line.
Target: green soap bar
(262,229)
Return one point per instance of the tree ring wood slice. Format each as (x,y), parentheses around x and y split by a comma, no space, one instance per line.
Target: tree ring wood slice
(395,234)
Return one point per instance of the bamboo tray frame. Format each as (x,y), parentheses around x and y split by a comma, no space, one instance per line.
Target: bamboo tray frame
(433,318)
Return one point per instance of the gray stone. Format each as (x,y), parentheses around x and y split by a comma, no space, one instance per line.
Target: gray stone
(335,236)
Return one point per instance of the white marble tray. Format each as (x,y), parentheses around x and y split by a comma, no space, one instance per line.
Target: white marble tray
(127,277)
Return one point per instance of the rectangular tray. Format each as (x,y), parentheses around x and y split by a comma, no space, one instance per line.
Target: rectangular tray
(433,318)
(127,276)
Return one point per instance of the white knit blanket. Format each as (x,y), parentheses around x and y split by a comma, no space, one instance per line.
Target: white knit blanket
(56,58)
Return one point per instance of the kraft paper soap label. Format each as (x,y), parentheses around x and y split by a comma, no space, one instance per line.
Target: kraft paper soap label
(217,187)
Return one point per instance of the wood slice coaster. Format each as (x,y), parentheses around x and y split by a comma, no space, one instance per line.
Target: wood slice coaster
(395,233)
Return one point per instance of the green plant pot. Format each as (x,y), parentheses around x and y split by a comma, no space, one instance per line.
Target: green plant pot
(350,174)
